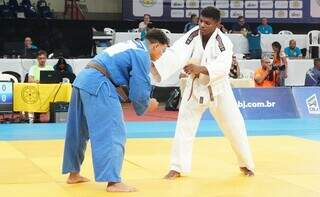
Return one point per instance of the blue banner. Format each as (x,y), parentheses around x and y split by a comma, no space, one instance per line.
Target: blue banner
(264,103)
(307,101)
(278,11)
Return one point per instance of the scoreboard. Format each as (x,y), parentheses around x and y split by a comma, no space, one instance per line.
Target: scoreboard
(6,96)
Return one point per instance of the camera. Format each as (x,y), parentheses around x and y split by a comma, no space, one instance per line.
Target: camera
(279,68)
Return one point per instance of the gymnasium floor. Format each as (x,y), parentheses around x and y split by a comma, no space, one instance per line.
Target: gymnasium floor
(286,153)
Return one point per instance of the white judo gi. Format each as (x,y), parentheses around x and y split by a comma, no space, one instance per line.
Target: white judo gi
(211,91)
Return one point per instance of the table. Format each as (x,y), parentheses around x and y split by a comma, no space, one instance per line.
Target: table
(32,97)
(242,83)
(296,71)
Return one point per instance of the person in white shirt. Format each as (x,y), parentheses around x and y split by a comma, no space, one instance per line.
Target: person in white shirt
(146,20)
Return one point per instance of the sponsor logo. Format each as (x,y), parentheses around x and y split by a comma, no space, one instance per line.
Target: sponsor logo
(148,3)
(295,14)
(236,4)
(312,104)
(266,4)
(266,104)
(30,94)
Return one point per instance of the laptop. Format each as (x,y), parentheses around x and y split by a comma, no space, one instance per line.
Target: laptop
(49,76)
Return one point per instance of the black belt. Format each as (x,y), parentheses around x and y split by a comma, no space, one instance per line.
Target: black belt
(124,97)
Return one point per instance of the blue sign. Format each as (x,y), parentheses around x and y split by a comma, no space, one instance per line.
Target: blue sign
(264,103)
(307,101)
(6,96)
(300,11)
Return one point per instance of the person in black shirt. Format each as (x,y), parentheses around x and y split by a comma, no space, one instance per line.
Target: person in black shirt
(64,70)
(241,25)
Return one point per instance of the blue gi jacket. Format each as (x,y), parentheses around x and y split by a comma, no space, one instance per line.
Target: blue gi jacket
(129,65)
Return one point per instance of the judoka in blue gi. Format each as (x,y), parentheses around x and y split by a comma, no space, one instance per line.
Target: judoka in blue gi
(95,111)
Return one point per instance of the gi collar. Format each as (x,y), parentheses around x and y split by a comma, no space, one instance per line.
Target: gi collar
(213,35)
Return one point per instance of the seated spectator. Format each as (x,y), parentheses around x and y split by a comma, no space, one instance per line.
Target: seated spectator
(143,33)
(146,20)
(235,69)
(5,11)
(34,72)
(292,51)
(192,23)
(26,3)
(313,74)
(240,26)
(264,28)
(265,76)
(43,9)
(28,44)
(64,70)
(280,63)
(30,50)
(13,5)
(223,29)
(254,42)
(29,10)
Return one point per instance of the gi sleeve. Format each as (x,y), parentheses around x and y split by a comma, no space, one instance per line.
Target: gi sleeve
(176,57)
(139,82)
(218,66)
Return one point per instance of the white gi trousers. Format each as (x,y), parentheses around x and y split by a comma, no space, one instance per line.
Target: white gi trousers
(229,119)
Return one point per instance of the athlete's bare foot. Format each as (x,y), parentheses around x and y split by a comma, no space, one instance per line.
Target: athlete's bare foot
(172,175)
(246,171)
(75,177)
(119,187)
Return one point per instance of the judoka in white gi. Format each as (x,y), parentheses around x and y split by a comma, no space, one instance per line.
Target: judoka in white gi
(95,111)
(205,54)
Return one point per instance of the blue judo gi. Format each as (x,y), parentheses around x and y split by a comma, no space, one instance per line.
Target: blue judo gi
(95,111)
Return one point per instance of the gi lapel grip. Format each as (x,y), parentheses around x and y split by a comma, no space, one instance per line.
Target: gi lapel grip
(101,69)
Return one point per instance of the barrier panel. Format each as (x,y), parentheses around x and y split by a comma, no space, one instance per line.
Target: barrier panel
(307,101)
(264,103)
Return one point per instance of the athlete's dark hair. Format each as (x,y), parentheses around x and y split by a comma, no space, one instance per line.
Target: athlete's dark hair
(211,12)
(157,35)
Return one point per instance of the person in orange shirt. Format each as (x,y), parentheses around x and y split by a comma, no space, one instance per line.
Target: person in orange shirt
(280,62)
(265,76)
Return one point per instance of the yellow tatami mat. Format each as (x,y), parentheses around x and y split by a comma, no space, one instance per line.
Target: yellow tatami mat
(285,167)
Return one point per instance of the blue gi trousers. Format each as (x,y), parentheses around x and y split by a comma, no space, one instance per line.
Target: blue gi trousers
(100,119)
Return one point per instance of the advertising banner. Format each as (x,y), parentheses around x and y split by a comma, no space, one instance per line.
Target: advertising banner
(264,103)
(281,11)
(307,101)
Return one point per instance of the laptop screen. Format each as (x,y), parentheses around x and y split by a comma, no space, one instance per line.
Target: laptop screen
(49,76)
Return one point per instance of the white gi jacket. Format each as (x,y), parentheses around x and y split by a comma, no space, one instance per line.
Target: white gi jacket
(216,57)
